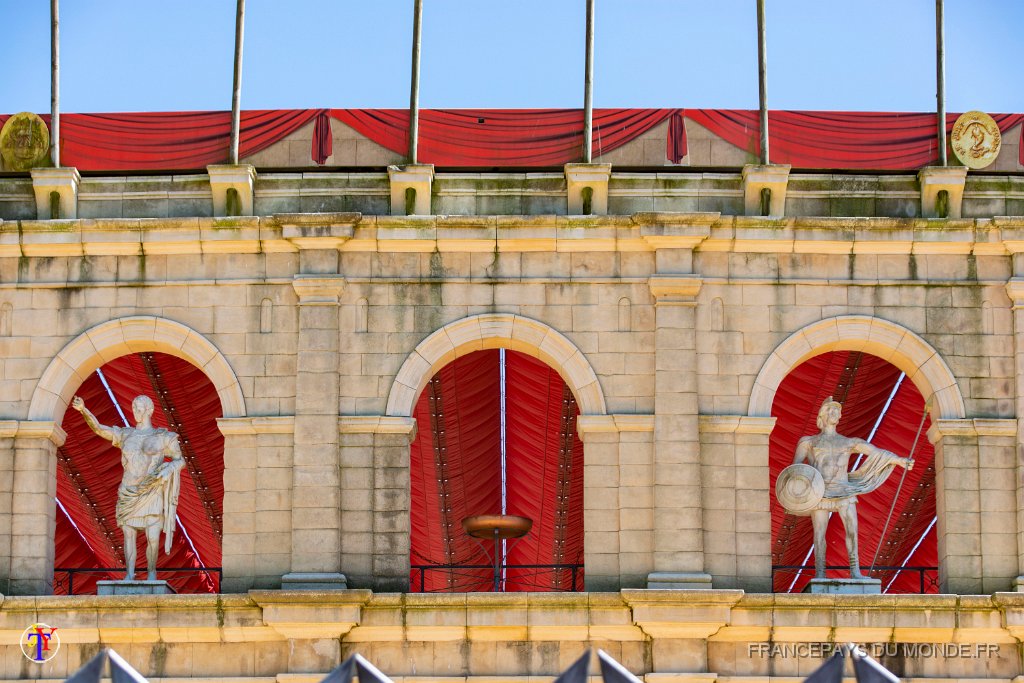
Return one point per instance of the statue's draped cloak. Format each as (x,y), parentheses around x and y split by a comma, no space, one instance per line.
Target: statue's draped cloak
(871,474)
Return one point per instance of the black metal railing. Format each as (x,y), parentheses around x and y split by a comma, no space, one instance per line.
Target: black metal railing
(463,577)
(927,577)
(65,577)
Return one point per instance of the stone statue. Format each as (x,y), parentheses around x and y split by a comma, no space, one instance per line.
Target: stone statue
(826,485)
(148,496)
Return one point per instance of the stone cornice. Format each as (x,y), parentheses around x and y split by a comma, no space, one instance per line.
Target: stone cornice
(739,424)
(231,426)
(34,429)
(613,424)
(1015,290)
(972,427)
(318,290)
(316,230)
(675,289)
(377,424)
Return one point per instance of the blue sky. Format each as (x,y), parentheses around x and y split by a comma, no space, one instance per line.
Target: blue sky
(145,55)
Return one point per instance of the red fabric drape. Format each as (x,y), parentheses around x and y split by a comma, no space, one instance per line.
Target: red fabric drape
(98,464)
(323,142)
(544,471)
(500,137)
(455,470)
(819,139)
(504,137)
(869,382)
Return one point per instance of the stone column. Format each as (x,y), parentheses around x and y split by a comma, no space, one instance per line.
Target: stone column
(736,500)
(678,519)
(376,499)
(976,529)
(316,480)
(8,429)
(33,510)
(1015,290)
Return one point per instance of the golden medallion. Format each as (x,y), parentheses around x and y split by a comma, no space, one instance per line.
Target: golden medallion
(24,142)
(975,139)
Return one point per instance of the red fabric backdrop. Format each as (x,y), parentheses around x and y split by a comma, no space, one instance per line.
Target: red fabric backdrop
(89,472)
(455,473)
(502,137)
(864,384)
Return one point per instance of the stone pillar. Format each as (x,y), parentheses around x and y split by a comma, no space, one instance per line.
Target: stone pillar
(415,178)
(736,500)
(976,529)
(316,483)
(936,179)
(1015,290)
(375,500)
(56,191)
(618,500)
(33,510)
(232,188)
(678,522)
(756,179)
(581,178)
(8,430)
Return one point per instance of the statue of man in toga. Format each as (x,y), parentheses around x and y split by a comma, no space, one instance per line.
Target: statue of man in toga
(829,454)
(147,499)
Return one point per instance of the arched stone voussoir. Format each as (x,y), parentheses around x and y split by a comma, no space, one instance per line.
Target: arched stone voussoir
(491,331)
(883,338)
(115,338)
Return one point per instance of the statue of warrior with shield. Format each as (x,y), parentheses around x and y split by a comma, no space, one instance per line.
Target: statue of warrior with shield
(824,484)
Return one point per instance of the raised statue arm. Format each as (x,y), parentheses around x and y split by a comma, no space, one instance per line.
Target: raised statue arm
(867,448)
(90,419)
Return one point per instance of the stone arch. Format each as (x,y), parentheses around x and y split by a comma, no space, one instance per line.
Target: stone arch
(115,338)
(890,341)
(491,331)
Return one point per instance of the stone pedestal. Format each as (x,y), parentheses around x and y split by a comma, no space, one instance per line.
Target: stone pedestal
(56,191)
(679,580)
(580,177)
(775,179)
(133,588)
(318,581)
(416,177)
(226,177)
(936,179)
(844,586)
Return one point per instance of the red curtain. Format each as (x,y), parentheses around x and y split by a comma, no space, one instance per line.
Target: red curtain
(503,137)
(89,472)
(455,473)
(821,139)
(864,383)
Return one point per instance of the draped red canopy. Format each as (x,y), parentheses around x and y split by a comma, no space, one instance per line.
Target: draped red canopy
(456,473)
(503,137)
(89,472)
(873,392)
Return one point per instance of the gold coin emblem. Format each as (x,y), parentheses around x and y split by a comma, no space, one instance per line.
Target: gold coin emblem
(24,142)
(975,139)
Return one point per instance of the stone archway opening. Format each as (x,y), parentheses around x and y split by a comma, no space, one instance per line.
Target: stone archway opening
(884,406)
(496,435)
(88,545)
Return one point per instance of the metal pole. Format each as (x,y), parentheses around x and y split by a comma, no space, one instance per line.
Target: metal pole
(414,83)
(54,85)
(236,90)
(940,78)
(588,89)
(762,80)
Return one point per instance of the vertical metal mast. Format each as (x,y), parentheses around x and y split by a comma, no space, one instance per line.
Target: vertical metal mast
(54,85)
(940,78)
(236,91)
(414,85)
(762,80)
(588,89)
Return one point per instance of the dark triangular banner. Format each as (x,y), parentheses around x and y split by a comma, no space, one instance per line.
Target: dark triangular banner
(831,671)
(868,670)
(121,671)
(612,671)
(368,673)
(91,671)
(344,672)
(577,673)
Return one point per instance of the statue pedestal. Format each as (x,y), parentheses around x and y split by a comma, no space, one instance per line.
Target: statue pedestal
(133,588)
(844,586)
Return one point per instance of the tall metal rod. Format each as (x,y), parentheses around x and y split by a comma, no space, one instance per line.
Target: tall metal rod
(588,89)
(236,90)
(414,82)
(54,84)
(940,78)
(762,80)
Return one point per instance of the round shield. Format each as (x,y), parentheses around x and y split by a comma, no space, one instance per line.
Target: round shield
(799,488)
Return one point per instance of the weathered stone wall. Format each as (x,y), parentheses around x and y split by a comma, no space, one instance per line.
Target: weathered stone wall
(673,329)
